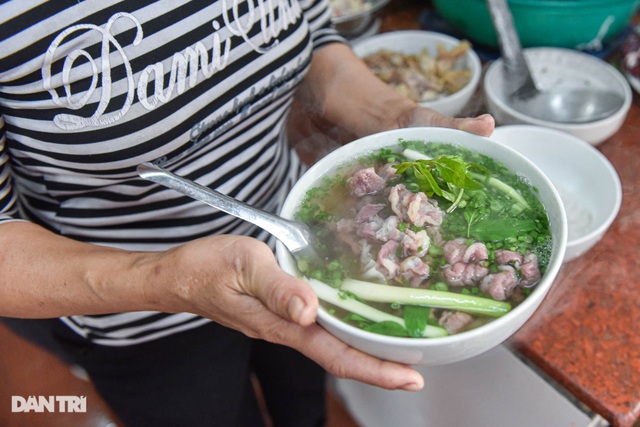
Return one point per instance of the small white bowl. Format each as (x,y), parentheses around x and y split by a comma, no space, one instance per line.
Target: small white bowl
(588,184)
(457,347)
(412,42)
(556,66)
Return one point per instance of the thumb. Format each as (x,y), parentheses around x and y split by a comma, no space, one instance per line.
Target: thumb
(288,297)
(300,311)
(481,125)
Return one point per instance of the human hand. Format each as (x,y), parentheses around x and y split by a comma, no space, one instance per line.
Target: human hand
(482,125)
(366,105)
(237,282)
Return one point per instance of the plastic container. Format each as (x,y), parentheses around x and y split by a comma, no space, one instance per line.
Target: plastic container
(572,24)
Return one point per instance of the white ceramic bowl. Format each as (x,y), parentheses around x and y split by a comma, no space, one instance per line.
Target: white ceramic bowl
(457,347)
(411,42)
(588,184)
(556,66)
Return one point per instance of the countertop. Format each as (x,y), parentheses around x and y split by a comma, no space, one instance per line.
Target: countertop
(586,334)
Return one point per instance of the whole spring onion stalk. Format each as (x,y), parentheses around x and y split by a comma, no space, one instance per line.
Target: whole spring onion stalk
(416,296)
(333,296)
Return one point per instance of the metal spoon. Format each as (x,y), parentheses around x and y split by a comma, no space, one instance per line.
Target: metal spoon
(295,236)
(558,104)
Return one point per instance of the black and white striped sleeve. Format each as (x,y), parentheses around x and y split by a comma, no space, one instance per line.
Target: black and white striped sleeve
(8,205)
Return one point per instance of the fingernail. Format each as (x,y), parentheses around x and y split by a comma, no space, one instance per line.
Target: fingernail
(412,387)
(295,308)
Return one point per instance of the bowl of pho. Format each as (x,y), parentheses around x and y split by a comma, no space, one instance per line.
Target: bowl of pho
(435,245)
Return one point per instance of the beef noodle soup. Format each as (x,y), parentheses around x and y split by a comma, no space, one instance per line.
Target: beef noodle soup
(425,240)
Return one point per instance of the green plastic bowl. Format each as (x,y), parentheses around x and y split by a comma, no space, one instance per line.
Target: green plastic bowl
(572,24)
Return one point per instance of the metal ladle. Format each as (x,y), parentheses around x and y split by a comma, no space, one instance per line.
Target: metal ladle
(295,236)
(559,104)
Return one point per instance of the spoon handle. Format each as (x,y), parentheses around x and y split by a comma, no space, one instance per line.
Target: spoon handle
(295,236)
(517,71)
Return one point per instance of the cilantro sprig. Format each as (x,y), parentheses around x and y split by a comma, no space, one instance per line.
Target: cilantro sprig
(446,176)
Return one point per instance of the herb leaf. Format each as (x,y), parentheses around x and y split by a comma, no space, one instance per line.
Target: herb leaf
(446,176)
(415,319)
(453,169)
(387,327)
(493,229)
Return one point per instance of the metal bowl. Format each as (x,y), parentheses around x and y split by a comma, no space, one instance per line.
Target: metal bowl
(352,25)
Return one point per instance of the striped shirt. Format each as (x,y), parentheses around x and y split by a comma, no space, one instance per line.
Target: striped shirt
(90,89)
